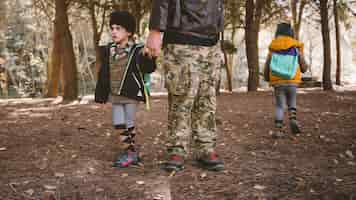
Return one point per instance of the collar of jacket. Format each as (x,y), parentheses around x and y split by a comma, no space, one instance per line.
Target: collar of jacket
(284,43)
(115,49)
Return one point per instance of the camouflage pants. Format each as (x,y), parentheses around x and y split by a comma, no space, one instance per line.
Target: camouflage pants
(191,74)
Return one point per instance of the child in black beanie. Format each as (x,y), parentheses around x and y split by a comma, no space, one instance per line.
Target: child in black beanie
(121,82)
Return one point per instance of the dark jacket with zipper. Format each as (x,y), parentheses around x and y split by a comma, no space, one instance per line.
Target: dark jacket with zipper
(132,80)
(195,22)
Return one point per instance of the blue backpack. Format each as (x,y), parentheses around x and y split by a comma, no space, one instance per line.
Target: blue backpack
(284,63)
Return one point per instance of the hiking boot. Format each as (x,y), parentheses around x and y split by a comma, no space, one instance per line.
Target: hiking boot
(127,159)
(210,162)
(175,163)
(294,127)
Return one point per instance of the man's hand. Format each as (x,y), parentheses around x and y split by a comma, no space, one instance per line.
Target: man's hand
(153,44)
(2,61)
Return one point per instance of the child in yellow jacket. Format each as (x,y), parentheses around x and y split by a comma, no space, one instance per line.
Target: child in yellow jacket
(285,89)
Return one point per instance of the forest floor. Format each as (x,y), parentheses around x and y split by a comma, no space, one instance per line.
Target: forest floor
(53,150)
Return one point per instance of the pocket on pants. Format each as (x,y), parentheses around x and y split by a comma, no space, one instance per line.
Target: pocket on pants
(178,79)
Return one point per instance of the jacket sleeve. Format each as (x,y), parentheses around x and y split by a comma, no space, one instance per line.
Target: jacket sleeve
(102,88)
(266,68)
(302,63)
(145,63)
(159,15)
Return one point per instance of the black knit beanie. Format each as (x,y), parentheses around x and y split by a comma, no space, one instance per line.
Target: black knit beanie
(284,29)
(124,19)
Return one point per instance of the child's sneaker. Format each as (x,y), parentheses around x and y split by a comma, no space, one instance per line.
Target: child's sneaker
(278,133)
(211,162)
(127,159)
(174,163)
(294,127)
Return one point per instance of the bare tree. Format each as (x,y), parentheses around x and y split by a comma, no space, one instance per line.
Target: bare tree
(337,40)
(297,15)
(63,58)
(252,27)
(325,31)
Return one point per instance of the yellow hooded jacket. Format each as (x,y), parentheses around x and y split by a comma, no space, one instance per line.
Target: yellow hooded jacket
(284,43)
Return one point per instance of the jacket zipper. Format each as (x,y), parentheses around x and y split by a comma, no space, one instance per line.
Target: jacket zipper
(137,82)
(127,68)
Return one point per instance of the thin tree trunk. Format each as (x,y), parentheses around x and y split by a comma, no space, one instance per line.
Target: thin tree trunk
(96,37)
(253,15)
(338,49)
(3,11)
(297,15)
(327,84)
(226,65)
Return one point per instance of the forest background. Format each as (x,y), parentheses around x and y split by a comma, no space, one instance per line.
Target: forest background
(51,46)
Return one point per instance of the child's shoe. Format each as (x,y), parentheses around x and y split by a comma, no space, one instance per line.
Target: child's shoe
(294,127)
(278,131)
(127,159)
(211,162)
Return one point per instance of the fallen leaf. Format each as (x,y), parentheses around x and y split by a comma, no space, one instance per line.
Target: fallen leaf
(350,154)
(140,182)
(3,149)
(50,187)
(57,174)
(259,187)
(29,192)
(203,175)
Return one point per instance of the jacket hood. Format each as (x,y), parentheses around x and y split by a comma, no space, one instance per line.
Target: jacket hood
(284,43)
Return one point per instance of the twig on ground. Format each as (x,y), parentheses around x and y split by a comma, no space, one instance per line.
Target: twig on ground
(18,193)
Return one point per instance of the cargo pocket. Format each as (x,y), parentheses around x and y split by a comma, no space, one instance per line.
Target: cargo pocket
(178,79)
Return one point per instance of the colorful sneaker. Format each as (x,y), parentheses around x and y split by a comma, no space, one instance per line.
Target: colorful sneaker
(175,163)
(127,159)
(211,162)
(294,127)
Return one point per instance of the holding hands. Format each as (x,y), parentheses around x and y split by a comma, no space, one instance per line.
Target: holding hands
(153,44)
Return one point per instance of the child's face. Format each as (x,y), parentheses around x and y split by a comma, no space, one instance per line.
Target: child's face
(119,34)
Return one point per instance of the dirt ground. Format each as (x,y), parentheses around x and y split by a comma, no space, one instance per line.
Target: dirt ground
(61,151)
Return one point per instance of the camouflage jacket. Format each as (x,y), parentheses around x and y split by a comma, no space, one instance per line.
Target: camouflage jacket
(202,18)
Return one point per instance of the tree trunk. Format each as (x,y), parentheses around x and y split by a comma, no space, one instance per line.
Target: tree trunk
(69,66)
(96,37)
(54,64)
(338,49)
(251,41)
(226,65)
(2,25)
(327,84)
(297,15)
